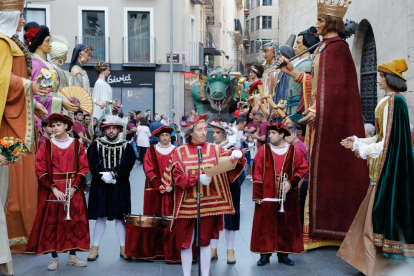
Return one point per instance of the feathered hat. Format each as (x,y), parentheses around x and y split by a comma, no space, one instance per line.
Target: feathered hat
(112,120)
(223,126)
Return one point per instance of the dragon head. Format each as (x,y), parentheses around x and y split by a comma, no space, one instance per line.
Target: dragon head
(219,88)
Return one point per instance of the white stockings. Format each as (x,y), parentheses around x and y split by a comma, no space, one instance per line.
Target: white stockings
(187,259)
(100,227)
(229,239)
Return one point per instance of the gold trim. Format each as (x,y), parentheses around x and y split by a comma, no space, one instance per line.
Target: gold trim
(17,241)
(11,5)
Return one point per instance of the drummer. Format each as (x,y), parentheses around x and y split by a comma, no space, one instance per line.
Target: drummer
(157,167)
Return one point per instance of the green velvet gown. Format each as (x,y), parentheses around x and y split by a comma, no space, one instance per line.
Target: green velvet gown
(393,211)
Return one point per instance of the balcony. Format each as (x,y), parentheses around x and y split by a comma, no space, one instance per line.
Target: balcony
(237,64)
(210,19)
(238,31)
(246,39)
(100,44)
(246,11)
(201,2)
(138,50)
(196,54)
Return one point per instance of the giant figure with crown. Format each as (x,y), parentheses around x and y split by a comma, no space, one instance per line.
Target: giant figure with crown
(330,91)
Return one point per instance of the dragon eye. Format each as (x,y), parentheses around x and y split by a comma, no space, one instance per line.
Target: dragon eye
(213,77)
(224,76)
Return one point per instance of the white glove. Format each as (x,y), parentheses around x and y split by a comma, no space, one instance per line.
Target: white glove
(204,179)
(106,177)
(113,181)
(236,154)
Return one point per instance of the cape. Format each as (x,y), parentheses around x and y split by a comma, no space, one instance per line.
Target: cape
(336,190)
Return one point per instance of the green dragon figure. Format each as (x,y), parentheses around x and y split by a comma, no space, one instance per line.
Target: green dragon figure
(218,93)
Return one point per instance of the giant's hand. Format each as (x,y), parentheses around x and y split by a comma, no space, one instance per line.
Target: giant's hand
(348,142)
(288,68)
(3,160)
(288,122)
(309,119)
(39,91)
(101,104)
(40,111)
(69,106)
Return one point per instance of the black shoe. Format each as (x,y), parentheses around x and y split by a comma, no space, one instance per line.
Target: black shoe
(284,259)
(264,259)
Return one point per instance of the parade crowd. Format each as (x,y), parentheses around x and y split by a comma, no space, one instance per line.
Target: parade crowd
(321,175)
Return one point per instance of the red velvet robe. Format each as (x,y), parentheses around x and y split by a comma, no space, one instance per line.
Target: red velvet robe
(215,200)
(335,176)
(274,231)
(157,168)
(51,232)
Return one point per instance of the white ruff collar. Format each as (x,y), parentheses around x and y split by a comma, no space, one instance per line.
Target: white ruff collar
(279,150)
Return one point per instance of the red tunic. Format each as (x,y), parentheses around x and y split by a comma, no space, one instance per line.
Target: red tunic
(215,199)
(274,231)
(51,232)
(157,168)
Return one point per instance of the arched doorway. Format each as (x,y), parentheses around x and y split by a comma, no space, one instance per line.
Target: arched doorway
(368,78)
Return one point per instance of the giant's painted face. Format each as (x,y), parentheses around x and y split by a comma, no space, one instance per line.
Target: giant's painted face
(219,89)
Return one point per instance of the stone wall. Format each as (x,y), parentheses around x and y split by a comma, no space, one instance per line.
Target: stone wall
(392,22)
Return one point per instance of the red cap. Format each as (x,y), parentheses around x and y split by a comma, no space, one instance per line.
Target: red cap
(279,127)
(237,113)
(60,117)
(197,119)
(161,130)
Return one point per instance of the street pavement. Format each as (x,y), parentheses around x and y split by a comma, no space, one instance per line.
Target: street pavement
(319,262)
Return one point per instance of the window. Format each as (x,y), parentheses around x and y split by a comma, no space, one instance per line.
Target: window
(252,25)
(253,6)
(267,2)
(93,33)
(139,36)
(257,3)
(251,47)
(36,15)
(257,22)
(258,46)
(247,25)
(267,22)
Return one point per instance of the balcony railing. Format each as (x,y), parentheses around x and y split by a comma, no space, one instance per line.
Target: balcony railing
(138,49)
(100,44)
(238,31)
(196,53)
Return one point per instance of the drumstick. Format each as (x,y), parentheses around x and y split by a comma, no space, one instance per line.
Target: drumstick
(155,189)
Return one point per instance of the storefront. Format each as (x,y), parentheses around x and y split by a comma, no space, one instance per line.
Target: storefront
(134,88)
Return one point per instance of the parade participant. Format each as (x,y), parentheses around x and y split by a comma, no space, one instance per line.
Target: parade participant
(111,160)
(102,91)
(37,38)
(275,231)
(18,184)
(78,76)
(47,132)
(330,94)
(59,54)
(157,166)
(215,199)
(303,186)
(58,161)
(385,218)
(221,132)
(305,40)
(261,135)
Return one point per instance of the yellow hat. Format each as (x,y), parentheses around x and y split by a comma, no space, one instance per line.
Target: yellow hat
(395,67)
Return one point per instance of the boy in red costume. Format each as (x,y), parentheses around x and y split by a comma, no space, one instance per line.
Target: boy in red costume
(60,159)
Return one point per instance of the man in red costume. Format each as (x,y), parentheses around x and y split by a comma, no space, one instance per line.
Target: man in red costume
(215,199)
(145,243)
(60,159)
(275,231)
(157,167)
(332,109)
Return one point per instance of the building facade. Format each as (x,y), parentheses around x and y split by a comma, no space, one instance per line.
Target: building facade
(262,26)
(134,36)
(385,32)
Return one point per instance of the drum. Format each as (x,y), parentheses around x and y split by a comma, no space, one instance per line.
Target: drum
(148,221)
